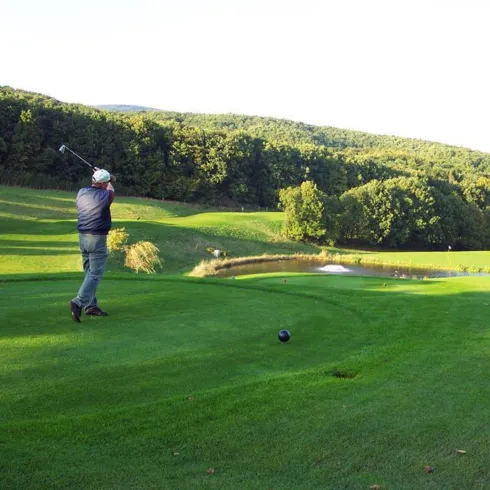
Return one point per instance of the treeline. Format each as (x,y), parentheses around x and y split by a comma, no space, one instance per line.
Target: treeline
(234,160)
(402,212)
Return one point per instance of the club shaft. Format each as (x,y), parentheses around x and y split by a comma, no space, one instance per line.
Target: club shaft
(83,160)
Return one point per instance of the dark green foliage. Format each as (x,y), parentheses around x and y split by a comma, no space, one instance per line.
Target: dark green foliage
(392,191)
(311,215)
(411,212)
(304,211)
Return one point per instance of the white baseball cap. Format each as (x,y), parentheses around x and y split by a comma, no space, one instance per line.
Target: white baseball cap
(100,176)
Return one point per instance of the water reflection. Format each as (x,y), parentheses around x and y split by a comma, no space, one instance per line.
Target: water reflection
(347,269)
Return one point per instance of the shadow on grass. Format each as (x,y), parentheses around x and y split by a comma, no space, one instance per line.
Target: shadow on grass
(26,227)
(18,200)
(171,208)
(63,200)
(37,210)
(20,248)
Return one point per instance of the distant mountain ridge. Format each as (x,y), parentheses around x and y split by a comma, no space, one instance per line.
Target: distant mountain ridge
(125,108)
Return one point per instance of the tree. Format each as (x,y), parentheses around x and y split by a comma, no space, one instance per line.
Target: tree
(26,143)
(304,211)
(353,222)
(476,190)
(412,225)
(377,210)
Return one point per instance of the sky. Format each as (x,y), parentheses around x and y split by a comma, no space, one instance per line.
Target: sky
(416,68)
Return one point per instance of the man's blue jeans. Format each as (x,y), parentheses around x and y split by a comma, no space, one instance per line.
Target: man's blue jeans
(94,257)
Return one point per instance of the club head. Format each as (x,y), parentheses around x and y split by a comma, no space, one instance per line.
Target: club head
(62,148)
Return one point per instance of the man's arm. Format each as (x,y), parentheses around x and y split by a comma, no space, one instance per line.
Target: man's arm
(111,193)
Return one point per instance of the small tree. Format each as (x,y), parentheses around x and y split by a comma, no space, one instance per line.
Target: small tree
(304,210)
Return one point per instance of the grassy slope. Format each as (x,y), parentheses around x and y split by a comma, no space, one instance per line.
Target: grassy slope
(39,232)
(188,375)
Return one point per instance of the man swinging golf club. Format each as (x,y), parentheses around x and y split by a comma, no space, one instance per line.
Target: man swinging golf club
(94,222)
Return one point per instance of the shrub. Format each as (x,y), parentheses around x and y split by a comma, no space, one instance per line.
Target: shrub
(116,240)
(142,256)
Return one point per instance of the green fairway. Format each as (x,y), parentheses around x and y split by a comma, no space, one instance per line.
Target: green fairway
(444,260)
(186,386)
(39,235)
(39,232)
(164,389)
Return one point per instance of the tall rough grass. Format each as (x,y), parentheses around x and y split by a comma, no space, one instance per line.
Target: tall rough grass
(142,256)
(116,240)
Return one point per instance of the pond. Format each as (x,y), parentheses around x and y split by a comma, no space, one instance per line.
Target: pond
(346,269)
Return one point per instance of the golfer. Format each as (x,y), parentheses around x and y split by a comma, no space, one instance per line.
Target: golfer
(94,222)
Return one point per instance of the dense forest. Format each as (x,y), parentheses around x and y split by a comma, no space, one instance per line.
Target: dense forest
(384,190)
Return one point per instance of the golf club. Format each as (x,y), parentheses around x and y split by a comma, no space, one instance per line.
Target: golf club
(62,149)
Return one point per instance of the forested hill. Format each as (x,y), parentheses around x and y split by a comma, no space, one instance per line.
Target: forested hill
(237,160)
(298,132)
